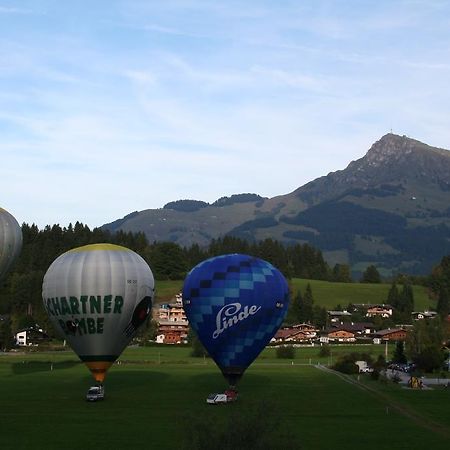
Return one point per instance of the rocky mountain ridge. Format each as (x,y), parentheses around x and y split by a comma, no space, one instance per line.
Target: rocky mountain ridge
(390,208)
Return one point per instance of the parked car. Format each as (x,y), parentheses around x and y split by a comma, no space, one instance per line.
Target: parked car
(407,368)
(95,393)
(227,397)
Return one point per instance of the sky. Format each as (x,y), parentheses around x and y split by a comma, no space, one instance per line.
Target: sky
(110,107)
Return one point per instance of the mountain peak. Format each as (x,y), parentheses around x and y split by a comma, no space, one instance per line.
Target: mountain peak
(390,159)
(393,145)
(396,153)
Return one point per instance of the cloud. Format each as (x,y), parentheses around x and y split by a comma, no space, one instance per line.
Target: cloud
(150,102)
(14,10)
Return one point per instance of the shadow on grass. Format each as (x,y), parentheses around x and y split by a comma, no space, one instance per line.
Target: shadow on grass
(253,424)
(27,367)
(215,380)
(121,381)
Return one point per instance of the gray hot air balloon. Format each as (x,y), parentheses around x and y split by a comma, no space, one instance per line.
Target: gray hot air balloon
(98,296)
(10,241)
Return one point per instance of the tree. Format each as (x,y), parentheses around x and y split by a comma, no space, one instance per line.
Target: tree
(440,275)
(341,273)
(6,339)
(285,352)
(371,275)
(346,365)
(324,351)
(148,331)
(294,314)
(424,344)
(167,261)
(307,305)
(404,304)
(393,295)
(320,316)
(443,303)
(430,359)
(399,353)
(197,347)
(406,299)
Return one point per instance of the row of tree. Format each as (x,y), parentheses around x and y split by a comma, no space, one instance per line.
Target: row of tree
(20,293)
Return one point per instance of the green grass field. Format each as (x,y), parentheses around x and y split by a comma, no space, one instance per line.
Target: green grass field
(325,293)
(329,294)
(167,289)
(157,393)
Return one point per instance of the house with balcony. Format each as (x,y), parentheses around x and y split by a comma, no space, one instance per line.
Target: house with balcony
(384,311)
(337,335)
(172,312)
(390,334)
(172,332)
(301,333)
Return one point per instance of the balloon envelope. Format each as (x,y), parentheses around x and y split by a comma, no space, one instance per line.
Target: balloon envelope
(98,296)
(235,303)
(10,241)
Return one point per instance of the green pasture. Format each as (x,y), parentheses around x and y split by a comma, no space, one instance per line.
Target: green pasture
(167,289)
(157,393)
(325,293)
(329,294)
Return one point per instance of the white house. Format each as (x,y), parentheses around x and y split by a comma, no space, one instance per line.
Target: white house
(30,336)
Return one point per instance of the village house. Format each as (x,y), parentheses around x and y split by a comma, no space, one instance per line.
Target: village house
(416,315)
(172,332)
(172,312)
(300,333)
(361,329)
(173,325)
(384,311)
(337,334)
(390,334)
(306,328)
(30,336)
(338,316)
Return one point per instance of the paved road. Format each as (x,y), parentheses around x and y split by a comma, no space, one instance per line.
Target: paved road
(405,377)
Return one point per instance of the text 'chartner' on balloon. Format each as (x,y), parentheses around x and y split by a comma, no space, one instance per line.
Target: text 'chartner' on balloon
(86,304)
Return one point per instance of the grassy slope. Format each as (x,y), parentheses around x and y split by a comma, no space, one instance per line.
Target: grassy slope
(167,289)
(148,405)
(325,293)
(330,294)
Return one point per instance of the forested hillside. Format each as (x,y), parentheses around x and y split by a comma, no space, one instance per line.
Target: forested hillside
(20,292)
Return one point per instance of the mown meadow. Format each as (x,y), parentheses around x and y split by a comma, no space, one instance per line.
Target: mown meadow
(156,396)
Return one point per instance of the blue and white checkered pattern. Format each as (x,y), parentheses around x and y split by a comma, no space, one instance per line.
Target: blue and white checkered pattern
(231,279)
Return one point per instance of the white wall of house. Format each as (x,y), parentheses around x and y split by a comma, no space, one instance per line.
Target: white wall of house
(21,338)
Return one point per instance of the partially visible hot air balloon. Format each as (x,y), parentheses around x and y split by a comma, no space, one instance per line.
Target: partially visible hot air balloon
(235,303)
(10,241)
(98,296)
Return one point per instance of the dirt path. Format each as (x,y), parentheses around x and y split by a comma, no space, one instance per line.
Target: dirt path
(405,410)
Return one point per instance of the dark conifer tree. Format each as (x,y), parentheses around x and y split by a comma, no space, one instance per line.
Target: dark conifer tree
(443,303)
(393,296)
(371,275)
(294,314)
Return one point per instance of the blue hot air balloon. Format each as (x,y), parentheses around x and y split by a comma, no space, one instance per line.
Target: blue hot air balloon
(235,303)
